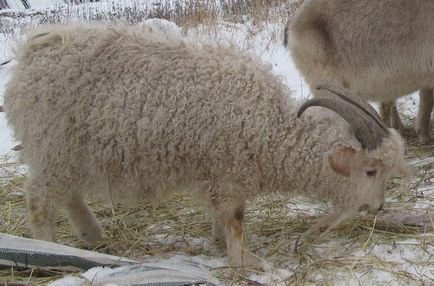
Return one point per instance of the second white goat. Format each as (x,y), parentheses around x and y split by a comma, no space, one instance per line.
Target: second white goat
(380,50)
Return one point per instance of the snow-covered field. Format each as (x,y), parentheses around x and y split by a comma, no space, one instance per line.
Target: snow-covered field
(385,257)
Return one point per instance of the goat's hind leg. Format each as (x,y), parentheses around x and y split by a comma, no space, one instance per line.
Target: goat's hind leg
(44,200)
(83,221)
(42,209)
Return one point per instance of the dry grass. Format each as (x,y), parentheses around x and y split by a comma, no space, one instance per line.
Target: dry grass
(273,223)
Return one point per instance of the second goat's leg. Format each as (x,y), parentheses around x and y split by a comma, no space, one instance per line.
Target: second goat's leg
(423,120)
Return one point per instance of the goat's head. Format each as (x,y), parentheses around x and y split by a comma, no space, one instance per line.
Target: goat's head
(366,169)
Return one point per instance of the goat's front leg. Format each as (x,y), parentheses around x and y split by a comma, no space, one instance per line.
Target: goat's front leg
(229,204)
(238,253)
(324,225)
(327,223)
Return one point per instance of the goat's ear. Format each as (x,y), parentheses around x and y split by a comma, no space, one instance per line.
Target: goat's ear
(340,160)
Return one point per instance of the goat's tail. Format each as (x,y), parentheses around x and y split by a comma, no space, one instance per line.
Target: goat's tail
(51,41)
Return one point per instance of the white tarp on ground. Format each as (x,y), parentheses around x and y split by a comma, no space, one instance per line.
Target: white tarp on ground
(31,253)
(141,274)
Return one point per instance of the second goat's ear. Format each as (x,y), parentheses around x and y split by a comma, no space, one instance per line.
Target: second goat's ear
(340,160)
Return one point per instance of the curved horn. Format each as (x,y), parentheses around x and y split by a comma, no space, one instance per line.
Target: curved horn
(367,130)
(354,99)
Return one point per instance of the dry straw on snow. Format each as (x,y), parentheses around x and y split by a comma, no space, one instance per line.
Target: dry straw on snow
(273,223)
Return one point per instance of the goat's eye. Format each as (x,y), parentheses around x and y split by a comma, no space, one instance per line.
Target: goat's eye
(371,173)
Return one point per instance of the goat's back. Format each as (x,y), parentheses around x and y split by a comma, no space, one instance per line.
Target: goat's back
(131,103)
(380,49)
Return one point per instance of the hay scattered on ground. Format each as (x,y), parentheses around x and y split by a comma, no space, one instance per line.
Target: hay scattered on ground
(273,224)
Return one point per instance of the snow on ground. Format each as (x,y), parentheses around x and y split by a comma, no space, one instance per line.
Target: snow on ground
(410,258)
(18,4)
(6,138)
